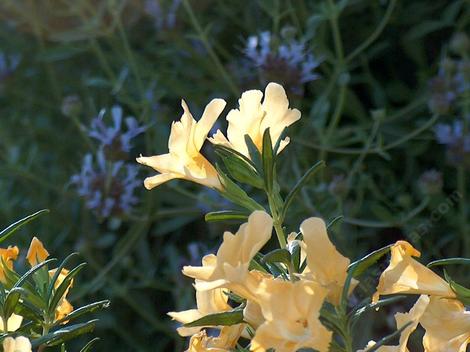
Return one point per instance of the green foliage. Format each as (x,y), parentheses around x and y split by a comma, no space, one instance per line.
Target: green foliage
(367,117)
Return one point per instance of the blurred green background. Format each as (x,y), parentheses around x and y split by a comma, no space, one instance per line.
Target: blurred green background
(383,87)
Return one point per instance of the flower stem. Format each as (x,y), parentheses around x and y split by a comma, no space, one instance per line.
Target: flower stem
(276,214)
(208,47)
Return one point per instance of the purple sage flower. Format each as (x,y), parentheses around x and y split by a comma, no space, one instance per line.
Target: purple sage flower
(107,187)
(456,140)
(113,140)
(285,60)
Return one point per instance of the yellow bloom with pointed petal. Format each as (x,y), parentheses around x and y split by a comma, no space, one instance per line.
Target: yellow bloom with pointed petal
(321,253)
(64,307)
(291,311)
(230,267)
(8,255)
(36,252)
(413,317)
(406,275)
(447,326)
(184,159)
(253,117)
(224,342)
(208,302)
(19,344)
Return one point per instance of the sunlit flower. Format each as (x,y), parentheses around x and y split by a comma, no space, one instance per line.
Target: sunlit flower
(224,342)
(320,254)
(406,275)
(447,326)
(19,344)
(208,302)
(184,159)
(64,307)
(38,254)
(230,267)
(413,318)
(8,255)
(253,117)
(291,311)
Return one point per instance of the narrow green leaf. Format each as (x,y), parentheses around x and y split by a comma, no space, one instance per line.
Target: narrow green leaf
(89,345)
(236,194)
(12,299)
(57,273)
(372,306)
(254,153)
(268,161)
(64,285)
(10,230)
(226,215)
(449,261)
(358,267)
(239,168)
(280,255)
(304,179)
(462,293)
(32,271)
(85,310)
(387,339)
(64,334)
(232,317)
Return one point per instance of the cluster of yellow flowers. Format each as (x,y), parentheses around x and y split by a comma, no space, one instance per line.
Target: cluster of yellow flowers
(187,136)
(36,254)
(284,312)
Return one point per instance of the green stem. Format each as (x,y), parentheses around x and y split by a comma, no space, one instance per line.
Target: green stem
(338,71)
(208,47)
(277,221)
(376,33)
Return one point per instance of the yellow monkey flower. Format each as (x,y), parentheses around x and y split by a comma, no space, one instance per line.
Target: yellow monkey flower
(229,268)
(406,275)
(291,311)
(208,302)
(447,326)
(253,117)
(320,254)
(184,159)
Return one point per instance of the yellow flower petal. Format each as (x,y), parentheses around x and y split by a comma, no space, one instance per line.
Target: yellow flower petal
(253,117)
(19,344)
(447,326)
(320,254)
(224,342)
(184,159)
(64,307)
(230,267)
(414,317)
(291,311)
(406,275)
(8,255)
(36,252)
(208,302)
